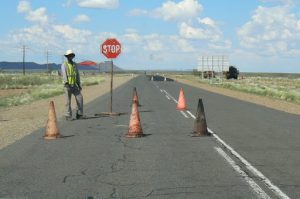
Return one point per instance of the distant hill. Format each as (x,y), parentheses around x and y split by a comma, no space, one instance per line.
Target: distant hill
(104,66)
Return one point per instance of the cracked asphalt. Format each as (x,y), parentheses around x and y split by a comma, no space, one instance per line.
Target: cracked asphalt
(96,161)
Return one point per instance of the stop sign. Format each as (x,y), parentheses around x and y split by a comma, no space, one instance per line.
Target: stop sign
(111,48)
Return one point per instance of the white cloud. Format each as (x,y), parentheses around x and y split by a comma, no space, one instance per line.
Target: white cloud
(45,34)
(221,45)
(170,10)
(81,18)
(72,34)
(207,21)
(23,7)
(98,3)
(38,15)
(202,33)
(185,46)
(271,31)
(185,9)
(132,37)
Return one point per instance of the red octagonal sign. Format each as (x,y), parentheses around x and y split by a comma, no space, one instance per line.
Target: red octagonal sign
(111,48)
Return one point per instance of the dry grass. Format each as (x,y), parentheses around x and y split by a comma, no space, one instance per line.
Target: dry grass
(261,99)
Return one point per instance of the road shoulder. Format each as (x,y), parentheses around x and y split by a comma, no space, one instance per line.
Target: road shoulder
(19,121)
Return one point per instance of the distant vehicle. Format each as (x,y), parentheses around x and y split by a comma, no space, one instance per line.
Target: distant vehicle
(232,73)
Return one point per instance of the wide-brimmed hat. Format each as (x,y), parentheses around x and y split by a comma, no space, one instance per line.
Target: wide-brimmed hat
(69,52)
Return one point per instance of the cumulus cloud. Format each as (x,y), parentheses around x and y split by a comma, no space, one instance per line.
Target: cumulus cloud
(38,15)
(170,10)
(202,33)
(208,21)
(45,34)
(185,9)
(23,7)
(81,18)
(98,3)
(185,45)
(271,30)
(72,34)
(191,27)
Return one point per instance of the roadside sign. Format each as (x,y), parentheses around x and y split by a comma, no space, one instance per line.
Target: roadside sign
(111,48)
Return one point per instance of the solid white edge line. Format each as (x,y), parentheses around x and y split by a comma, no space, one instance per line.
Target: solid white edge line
(167,97)
(256,188)
(170,96)
(268,183)
(191,114)
(185,115)
(251,168)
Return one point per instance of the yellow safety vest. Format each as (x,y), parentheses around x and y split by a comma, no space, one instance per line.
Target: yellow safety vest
(71,73)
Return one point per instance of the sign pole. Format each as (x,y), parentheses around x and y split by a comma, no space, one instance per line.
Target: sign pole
(111,84)
(111,48)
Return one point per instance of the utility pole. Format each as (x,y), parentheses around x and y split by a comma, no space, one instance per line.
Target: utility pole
(48,67)
(24,48)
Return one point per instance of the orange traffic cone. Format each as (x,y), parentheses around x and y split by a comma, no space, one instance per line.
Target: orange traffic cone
(135,96)
(52,131)
(181,101)
(200,126)
(135,128)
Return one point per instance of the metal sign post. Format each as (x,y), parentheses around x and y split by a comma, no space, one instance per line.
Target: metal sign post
(111,48)
(111,83)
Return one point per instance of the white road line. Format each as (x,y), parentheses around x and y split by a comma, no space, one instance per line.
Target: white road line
(161,90)
(185,115)
(257,189)
(251,168)
(191,114)
(167,97)
(170,96)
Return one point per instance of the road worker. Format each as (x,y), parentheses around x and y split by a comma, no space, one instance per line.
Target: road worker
(71,80)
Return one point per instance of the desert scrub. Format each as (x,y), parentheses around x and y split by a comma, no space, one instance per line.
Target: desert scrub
(278,88)
(39,86)
(91,80)
(37,93)
(17,81)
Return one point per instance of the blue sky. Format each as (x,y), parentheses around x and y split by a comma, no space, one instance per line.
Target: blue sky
(256,35)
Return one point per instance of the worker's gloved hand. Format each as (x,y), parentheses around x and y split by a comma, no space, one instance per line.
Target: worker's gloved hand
(79,87)
(67,85)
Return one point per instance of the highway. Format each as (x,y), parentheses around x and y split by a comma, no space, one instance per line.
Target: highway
(254,151)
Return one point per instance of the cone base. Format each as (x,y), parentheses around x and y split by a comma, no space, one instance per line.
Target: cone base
(52,137)
(195,134)
(134,136)
(181,109)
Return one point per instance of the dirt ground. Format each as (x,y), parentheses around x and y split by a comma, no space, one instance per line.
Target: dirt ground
(17,122)
(9,92)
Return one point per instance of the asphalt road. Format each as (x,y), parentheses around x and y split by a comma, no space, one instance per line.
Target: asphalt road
(259,156)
